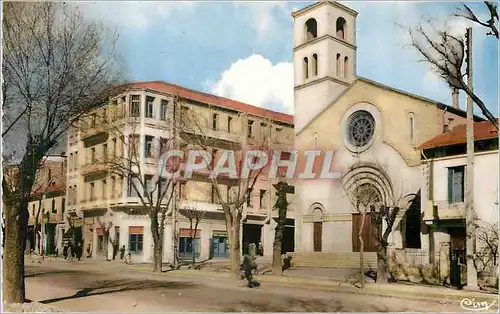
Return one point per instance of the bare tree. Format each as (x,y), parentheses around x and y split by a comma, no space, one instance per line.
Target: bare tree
(194,217)
(195,129)
(55,68)
(487,242)
(466,12)
(105,223)
(146,181)
(282,188)
(444,51)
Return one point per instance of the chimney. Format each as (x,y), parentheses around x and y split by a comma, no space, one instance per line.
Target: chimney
(454,98)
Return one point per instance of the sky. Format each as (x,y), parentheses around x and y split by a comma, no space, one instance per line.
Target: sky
(244,50)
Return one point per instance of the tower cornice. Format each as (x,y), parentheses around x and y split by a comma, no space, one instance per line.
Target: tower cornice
(321,38)
(322,3)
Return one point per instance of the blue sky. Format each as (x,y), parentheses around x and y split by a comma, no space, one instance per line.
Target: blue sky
(243,50)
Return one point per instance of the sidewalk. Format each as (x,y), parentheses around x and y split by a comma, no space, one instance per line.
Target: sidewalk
(290,279)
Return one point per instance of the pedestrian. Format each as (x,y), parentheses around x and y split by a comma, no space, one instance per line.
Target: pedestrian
(128,259)
(248,265)
(122,252)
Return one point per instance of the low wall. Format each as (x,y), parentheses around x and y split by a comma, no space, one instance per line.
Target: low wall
(333,260)
(414,265)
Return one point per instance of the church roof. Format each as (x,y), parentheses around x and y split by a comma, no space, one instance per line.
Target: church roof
(438,104)
(482,131)
(209,99)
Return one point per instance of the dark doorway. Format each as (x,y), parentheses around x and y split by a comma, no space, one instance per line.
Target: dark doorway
(288,244)
(413,222)
(251,234)
(317,236)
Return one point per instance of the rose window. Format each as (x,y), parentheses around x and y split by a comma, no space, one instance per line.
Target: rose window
(360,128)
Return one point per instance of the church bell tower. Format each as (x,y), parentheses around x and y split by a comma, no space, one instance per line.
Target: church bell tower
(324,57)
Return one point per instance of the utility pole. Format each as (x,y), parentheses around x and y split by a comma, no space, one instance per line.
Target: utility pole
(469,175)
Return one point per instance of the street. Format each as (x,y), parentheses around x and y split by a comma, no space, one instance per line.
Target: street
(115,290)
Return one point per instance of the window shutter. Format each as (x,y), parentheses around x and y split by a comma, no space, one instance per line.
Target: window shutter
(450,185)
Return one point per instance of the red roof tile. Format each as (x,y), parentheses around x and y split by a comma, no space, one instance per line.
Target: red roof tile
(212,100)
(482,131)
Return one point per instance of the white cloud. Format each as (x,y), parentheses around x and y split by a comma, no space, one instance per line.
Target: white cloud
(263,16)
(256,81)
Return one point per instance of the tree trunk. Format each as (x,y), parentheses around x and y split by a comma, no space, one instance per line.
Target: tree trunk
(233,235)
(13,256)
(157,245)
(106,246)
(278,240)
(361,250)
(194,251)
(382,264)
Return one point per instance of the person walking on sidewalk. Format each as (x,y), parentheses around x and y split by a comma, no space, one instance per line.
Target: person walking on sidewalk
(248,265)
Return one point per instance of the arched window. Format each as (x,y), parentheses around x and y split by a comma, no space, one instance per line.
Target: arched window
(337,65)
(315,64)
(411,125)
(346,67)
(311,29)
(306,68)
(341,28)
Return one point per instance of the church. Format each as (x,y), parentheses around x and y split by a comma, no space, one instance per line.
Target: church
(374,129)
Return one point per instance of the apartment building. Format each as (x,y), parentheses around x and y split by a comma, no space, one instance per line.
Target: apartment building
(47,207)
(107,208)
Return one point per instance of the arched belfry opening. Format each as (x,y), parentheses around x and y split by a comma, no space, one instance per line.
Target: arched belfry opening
(341,25)
(315,65)
(305,68)
(311,29)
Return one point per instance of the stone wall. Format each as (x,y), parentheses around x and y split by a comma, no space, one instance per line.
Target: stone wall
(413,265)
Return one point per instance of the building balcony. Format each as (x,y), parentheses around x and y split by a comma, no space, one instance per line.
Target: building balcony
(442,210)
(95,167)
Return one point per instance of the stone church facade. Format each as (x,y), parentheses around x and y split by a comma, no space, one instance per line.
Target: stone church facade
(373,128)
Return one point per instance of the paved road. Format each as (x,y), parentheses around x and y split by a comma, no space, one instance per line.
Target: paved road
(86,290)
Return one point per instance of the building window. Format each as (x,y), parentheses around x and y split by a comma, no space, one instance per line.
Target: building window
(104,190)
(54,210)
(229,120)
(250,124)
(311,28)
(105,152)
(315,65)
(456,184)
(263,130)
(114,147)
(346,66)
(148,184)
(113,186)
(135,106)
(412,126)
(337,65)
(94,117)
(135,243)
(262,200)
(63,206)
(70,161)
(149,106)
(187,245)
(341,28)
(215,119)
(249,198)
(75,160)
(148,149)
(33,210)
(92,155)
(182,190)
(305,68)
(133,186)
(104,116)
(163,110)
(92,192)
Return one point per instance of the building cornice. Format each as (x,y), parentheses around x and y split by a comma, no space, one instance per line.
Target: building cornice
(491,152)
